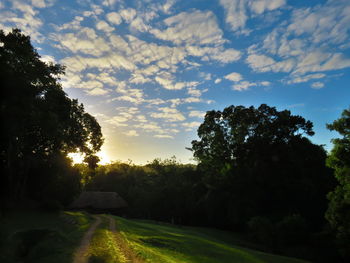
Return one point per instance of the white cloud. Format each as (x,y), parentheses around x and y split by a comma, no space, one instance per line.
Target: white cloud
(306,78)
(265,83)
(260,6)
(75,24)
(146,53)
(191,125)
(320,61)
(312,40)
(150,126)
(216,53)
(114,61)
(234,76)
(167,6)
(85,41)
(141,118)
(226,56)
(191,100)
(96,9)
(263,63)
(117,121)
(23,16)
(139,25)
(127,112)
(114,18)
(195,113)
(297,105)
(132,98)
(328,22)
(197,27)
(217,81)
(48,59)
(128,14)
(131,133)
(168,114)
(109,3)
(39,3)
(167,80)
(195,92)
(139,79)
(97,92)
(205,76)
(163,136)
(317,85)
(243,85)
(237,11)
(103,26)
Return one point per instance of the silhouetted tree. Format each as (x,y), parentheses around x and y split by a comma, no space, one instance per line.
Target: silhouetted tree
(338,213)
(257,162)
(38,119)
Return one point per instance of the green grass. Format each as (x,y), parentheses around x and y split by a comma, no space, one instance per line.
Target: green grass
(41,237)
(162,243)
(103,247)
(49,237)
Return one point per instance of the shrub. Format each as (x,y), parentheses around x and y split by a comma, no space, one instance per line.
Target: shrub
(292,230)
(262,230)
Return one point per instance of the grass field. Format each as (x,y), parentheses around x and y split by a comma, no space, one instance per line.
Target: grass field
(41,237)
(169,244)
(44,237)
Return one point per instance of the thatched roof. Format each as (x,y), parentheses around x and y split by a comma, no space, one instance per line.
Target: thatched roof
(99,200)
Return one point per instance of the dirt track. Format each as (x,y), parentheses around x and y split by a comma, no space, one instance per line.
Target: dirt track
(122,244)
(81,253)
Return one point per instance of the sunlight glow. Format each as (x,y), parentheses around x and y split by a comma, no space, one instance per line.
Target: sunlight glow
(79,158)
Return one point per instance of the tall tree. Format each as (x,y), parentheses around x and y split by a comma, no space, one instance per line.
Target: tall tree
(259,163)
(39,120)
(338,213)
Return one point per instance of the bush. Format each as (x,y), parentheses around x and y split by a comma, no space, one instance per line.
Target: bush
(292,230)
(262,230)
(51,206)
(34,244)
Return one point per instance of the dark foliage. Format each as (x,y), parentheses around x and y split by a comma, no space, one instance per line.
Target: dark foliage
(162,190)
(257,162)
(338,213)
(40,125)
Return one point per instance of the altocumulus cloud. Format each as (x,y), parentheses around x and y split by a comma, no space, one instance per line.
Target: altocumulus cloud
(153,68)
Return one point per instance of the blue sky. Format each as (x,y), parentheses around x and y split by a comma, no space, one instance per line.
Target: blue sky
(149,70)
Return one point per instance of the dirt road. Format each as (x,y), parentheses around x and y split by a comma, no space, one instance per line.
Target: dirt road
(82,256)
(81,253)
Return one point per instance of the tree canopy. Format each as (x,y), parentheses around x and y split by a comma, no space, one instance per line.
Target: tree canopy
(40,121)
(258,162)
(338,213)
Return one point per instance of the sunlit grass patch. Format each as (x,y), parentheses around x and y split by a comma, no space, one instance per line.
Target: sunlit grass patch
(163,243)
(103,247)
(81,219)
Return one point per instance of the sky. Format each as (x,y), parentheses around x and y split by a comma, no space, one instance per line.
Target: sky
(149,70)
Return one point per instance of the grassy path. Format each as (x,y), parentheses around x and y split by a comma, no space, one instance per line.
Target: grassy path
(81,255)
(103,243)
(128,253)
